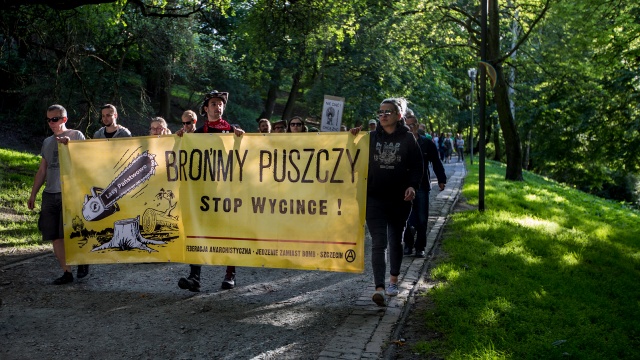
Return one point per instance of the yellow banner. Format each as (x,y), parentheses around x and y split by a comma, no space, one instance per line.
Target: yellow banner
(262,200)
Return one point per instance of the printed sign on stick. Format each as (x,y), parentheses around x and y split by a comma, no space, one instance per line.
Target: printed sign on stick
(332,113)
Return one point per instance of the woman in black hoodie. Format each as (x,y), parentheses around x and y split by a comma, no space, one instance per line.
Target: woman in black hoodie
(395,171)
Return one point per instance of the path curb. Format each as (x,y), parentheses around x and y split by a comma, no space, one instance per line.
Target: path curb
(369,331)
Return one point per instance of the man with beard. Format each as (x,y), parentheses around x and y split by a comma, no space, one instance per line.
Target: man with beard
(111,129)
(212,108)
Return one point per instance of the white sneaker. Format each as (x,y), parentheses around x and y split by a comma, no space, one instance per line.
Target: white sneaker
(392,290)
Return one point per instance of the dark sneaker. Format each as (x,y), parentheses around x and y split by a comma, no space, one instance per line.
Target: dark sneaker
(379,298)
(229,281)
(420,254)
(83,270)
(66,278)
(190,283)
(407,251)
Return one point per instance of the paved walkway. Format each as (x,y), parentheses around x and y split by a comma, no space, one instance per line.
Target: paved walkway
(369,328)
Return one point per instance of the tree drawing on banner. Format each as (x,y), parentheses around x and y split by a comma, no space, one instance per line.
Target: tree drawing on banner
(126,236)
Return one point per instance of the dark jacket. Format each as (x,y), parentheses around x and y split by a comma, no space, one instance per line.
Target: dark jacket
(395,163)
(430,154)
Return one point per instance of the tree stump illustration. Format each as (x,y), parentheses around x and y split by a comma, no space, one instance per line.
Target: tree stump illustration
(126,236)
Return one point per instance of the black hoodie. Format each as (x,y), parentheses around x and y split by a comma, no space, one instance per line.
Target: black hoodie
(395,163)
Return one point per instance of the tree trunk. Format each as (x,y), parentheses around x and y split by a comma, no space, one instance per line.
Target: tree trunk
(497,156)
(527,151)
(165,96)
(513,150)
(293,95)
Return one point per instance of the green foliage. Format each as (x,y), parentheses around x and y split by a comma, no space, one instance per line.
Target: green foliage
(17,222)
(545,272)
(576,79)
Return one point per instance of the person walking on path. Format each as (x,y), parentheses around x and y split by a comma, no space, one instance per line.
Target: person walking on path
(419,217)
(111,129)
(212,108)
(395,171)
(460,147)
(48,174)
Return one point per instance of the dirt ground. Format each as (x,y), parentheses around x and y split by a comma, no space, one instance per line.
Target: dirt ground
(127,311)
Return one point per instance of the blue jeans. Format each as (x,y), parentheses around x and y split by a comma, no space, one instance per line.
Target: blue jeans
(386,220)
(418,219)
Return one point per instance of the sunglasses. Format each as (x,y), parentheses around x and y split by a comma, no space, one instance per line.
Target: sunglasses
(55,119)
(187,122)
(295,124)
(412,125)
(385,112)
(279,127)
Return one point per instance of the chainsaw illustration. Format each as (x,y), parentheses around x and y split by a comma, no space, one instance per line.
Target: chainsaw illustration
(102,202)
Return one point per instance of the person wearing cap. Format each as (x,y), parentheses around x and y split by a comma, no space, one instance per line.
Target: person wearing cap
(189,119)
(372,124)
(212,108)
(264,126)
(280,126)
(111,129)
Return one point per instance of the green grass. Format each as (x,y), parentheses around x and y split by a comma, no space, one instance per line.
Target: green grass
(18,224)
(545,272)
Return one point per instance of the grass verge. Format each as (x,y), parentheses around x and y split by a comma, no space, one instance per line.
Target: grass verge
(18,224)
(545,272)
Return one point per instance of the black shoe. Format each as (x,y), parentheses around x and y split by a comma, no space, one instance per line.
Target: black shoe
(66,278)
(83,270)
(420,254)
(407,251)
(229,281)
(190,283)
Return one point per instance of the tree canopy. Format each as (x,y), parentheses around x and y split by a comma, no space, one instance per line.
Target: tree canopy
(565,104)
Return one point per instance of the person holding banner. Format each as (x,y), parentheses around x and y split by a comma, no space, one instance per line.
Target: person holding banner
(48,174)
(296,125)
(111,129)
(419,217)
(189,119)
(264,126)
(395,172)
(280,126)
(159,126)
(212,108)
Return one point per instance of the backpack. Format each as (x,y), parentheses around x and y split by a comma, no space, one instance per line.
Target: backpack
(447,143)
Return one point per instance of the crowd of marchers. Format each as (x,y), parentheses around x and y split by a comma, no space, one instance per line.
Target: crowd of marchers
(401,155)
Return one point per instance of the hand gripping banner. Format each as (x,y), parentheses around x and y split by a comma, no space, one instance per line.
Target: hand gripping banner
(263,200)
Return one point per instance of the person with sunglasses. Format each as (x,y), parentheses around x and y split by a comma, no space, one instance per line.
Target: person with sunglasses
(395,172)
(48,174)
(296,125)
(418,220)
(111,128)
(213,106)
(189,120)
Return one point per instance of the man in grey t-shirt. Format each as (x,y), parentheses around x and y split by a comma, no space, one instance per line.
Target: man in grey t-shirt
(50,221)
